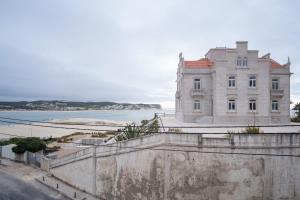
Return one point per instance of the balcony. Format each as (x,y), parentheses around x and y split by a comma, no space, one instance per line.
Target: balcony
(231,91)
(277,93)
(197,93)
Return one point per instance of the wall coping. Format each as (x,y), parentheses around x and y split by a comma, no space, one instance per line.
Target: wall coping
(236,141)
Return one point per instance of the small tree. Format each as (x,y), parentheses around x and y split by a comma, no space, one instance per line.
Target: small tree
(32,144)
(297,108)
(130,131)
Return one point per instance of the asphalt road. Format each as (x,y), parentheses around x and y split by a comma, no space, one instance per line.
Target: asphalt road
(12,188)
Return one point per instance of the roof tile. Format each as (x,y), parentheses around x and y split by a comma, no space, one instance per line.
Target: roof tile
(198,64)
(275,64)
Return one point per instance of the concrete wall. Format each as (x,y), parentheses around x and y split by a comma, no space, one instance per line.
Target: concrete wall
(7,152)
(187,166)
(76,169)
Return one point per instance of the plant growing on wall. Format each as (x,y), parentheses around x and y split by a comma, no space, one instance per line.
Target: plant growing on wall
(132,130)
(251,129)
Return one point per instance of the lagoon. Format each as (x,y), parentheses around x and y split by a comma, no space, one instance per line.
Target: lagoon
(114,115)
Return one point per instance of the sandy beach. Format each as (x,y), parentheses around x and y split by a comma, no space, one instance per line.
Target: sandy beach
(90,123)
(46,132)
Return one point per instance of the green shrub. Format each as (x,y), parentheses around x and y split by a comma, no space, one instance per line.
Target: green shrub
(297,108)
(132,130)
(31,144)
(10,141)
(295,119)
(251,129)
(4,142)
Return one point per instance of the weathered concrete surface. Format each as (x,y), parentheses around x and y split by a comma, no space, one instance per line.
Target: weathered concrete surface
(79,174)
(190,167)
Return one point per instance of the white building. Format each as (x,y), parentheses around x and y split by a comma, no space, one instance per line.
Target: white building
(233,85)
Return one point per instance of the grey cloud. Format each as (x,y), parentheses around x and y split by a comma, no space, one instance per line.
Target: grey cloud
(127,50)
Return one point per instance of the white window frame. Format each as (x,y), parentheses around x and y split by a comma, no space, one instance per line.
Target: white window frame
(252,81)
(231,105)
(252,105)
(275,105)
(197,84)
(197,105)
(231,81)
(275,82)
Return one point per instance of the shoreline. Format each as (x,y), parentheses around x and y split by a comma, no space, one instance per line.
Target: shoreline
(21,130)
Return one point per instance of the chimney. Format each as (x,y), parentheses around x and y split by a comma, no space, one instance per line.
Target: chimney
(242,45)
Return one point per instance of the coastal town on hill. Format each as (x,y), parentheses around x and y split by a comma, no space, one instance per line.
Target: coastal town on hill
(73,106)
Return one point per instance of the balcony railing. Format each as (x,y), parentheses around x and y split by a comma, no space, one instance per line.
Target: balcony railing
(278,93)
(197,93)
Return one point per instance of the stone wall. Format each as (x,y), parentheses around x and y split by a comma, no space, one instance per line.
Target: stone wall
(187,166)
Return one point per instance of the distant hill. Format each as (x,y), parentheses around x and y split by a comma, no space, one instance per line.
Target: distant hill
(73,105)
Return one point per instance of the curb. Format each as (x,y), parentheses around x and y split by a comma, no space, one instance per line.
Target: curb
(64,189)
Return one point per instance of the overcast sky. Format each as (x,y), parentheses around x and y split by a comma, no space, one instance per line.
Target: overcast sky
(127,51)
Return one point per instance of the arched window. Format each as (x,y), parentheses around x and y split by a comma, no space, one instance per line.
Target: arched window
(239,61)
(245,61)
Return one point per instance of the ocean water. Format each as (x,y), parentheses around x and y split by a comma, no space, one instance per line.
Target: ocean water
(118,115)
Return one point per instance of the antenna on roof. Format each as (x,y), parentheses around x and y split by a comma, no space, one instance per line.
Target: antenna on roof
(268,55)
(181,56)
(288,62)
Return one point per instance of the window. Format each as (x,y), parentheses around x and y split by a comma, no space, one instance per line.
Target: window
(275,105)
(197,84)
(239,61)
(197,105)
(252,81)
(275,84)
(245,61)
(252,105)
(231,105)
(231,81)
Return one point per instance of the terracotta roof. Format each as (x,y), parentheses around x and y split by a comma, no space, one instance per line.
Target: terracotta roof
(275,64)
(202,63)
